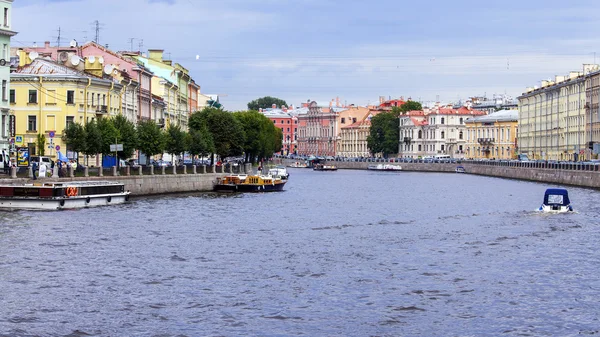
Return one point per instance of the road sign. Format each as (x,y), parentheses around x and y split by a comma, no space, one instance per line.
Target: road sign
(116,147)
(12,141)
(19,140)
(51,134)
(57,147)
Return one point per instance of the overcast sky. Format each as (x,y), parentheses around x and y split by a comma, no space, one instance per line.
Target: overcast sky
(319,49)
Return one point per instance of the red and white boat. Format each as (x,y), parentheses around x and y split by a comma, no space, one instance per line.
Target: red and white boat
(62,195)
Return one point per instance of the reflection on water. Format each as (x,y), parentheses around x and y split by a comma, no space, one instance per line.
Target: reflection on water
(346,253)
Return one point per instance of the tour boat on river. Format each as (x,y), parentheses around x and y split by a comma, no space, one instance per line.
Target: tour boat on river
(385,167)
(62,195)
(249,183)
(556,200)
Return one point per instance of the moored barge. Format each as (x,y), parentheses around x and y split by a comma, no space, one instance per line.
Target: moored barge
(249,183)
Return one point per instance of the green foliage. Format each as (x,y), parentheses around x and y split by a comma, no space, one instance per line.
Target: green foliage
(410,106)
(93,138)
(262,137)
(384,134)
(226,131)
(151,139)
(200,142)
(265,102)
(175,142)
(110,134)
(126,136)
(75,137)
(41,144)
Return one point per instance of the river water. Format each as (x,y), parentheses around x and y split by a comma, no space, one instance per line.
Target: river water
(346,253)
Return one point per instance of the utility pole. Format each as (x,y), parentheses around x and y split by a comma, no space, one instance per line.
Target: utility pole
(131,43)
(141,45)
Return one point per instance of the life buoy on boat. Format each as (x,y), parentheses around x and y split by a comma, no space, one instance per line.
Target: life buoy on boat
(87,200)
(109,199)
(71,191)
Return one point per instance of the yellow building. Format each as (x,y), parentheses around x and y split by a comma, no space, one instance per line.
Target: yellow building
(492,136)
(45,97)
(355,125)
(553,123)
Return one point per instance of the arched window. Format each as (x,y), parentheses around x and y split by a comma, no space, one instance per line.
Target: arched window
(460,134)
(420,136)
(460,121)
(443,134)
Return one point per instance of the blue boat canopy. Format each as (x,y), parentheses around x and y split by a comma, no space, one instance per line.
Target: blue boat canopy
(556,196)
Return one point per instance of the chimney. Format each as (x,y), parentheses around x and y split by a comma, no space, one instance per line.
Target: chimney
(156,54)
(47,44)
(337,101)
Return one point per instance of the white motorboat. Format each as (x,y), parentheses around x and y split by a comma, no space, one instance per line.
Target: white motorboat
(279,171)
(385,167)
(556,200)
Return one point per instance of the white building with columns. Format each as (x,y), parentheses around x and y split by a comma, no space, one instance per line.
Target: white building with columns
(435,131)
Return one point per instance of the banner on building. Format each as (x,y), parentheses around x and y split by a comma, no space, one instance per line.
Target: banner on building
(12,125)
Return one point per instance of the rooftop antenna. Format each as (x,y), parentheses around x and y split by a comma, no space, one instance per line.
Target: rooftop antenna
(97,30)
(58,39)
(141,45)
(131,43)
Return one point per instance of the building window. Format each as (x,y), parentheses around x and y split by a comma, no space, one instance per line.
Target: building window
(5,51)
(443,147)
(13,97)
(4,83)
(93,99)
(51,97)
(420,135)
(443,134)
(460,120)
(442,120)
(274,122)
(70,97)
(33,96)
(282,123)
(419,147)
(343,120)
(5,17)
(31,123)
(460,135)
(70,120)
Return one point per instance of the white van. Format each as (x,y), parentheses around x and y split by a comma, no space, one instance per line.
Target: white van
(41,161)
(4,160)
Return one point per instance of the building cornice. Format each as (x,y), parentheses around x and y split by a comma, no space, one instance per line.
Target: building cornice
(7,32)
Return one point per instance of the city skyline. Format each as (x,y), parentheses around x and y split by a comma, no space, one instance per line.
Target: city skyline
(320,50)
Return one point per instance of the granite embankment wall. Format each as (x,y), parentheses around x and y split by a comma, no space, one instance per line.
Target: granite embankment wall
(140,185)
(545,175)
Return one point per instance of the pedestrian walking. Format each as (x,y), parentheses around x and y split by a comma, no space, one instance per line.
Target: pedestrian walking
(34,168)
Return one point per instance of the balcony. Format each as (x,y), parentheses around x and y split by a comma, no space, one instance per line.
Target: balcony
(101,109)
(407,140)
(160,122)
(486,140)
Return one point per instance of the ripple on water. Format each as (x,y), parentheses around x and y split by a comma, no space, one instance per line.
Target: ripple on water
(335,255)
